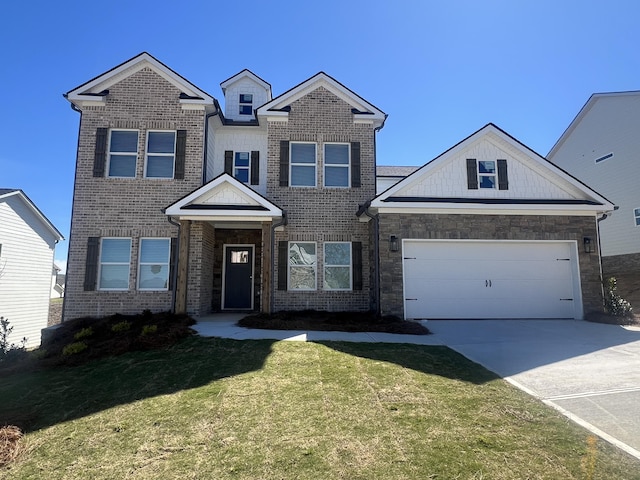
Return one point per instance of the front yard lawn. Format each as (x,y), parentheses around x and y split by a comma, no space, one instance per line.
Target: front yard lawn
(211,408)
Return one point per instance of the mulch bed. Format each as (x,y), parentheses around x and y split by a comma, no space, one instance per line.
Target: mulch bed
(333,321)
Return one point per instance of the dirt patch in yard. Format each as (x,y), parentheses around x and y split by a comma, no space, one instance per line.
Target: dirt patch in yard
(333,321)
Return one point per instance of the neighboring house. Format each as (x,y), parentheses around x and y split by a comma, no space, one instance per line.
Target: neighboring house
(600,147)
(271,205)
(57,283)
(27,244)
(388,175)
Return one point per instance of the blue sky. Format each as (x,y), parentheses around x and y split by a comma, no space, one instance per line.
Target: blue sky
(440,70)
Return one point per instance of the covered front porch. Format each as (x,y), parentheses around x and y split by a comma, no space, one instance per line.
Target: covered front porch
(224,256)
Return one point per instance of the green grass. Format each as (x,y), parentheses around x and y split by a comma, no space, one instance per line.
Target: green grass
(225,409)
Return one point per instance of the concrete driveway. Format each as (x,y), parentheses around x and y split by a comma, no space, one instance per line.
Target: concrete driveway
(588,371)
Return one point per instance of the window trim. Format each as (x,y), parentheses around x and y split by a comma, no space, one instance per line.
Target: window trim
(174,154)
(247,167)
(636,216)
(140,264)
(243,103)
(293,164)
(122,154)
(494,175)
(290,266)
(101,263)
(326,265)
(336,165)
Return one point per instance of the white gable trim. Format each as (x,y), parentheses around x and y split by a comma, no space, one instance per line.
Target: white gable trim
(35,210)
(369,113)
(545,168)
(241,203)
(245,74)
(89,93)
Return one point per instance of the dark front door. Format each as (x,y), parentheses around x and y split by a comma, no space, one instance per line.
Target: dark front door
(238,277)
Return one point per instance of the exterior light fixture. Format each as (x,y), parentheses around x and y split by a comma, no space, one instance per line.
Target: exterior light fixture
(587,243)
(393,243)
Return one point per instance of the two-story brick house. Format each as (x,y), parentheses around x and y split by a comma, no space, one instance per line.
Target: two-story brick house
(271,204)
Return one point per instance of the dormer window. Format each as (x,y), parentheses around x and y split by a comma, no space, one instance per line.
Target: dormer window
(487,174)
(246,104)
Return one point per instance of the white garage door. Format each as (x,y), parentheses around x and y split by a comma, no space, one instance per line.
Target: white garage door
(478,279)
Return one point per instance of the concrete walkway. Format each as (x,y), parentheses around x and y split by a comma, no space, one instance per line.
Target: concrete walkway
(590,372)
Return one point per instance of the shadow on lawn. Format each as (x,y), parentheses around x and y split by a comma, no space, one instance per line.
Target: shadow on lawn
(36,400)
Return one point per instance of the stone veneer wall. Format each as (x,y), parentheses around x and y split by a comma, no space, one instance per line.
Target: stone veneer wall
(129,207)
(626,270)
(492,227)
(319,214)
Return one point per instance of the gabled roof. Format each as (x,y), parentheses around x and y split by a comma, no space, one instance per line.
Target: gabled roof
(224,199)
(583,112)
(568,193)
(362,110)
(6,193)
(95,90)
(246,73)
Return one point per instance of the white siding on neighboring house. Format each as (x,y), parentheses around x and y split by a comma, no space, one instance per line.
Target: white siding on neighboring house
(26,261)
(610,123)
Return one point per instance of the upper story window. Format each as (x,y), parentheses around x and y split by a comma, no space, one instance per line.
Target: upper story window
(161,151)
(336,164)
(487,174)
(115,255)
(153,265)
(302,164)
(246,104)
(636,216)
(123,153)
(302,266)
(241,166)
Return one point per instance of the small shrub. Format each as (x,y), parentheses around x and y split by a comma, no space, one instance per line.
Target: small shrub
(74,348)
(149,330)
(9,350)
(614,304)
(121,327)
(85,332)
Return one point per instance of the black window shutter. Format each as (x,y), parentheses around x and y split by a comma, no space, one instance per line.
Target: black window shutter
(503,179)
(228,162)
(355,164)
(283,264)
(173,262)
(181,153)
(91,265)
(472,174)
(100,158)
(356,260)
(255,167)
(284,163)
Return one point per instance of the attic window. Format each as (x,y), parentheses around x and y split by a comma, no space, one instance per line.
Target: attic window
(487,173)
(246,104)
(636,216)
(604,157)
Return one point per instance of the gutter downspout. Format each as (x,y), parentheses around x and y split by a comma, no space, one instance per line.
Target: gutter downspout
(282,223)
(174,276)
(598,220)
(376,256)
(206,142)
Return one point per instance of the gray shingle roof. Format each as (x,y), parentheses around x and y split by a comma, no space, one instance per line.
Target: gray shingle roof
(394,171)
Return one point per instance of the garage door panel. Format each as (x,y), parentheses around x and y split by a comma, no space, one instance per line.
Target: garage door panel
(477,279)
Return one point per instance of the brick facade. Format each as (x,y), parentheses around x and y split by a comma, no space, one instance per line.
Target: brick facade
(484,227)
(319,214)
(128,207)
(626,270)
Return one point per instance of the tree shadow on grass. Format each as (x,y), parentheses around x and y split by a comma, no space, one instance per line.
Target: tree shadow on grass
(36,400)
(431,360)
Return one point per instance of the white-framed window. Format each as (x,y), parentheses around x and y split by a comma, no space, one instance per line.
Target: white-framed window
(337,266)
(302,266)
(487,174)
(161,154)
(115,258)
(337,164)
(636,216)
(123,153)
(241,166)
(153,264)
(302,161)
(246,104)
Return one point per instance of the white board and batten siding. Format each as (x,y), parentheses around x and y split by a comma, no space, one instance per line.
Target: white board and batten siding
(608,124)
(26,262)
(470,279)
